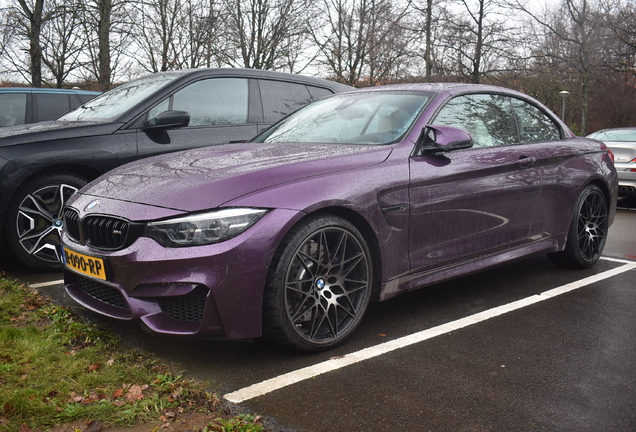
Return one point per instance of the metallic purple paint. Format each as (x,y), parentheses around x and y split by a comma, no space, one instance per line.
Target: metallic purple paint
(426,218)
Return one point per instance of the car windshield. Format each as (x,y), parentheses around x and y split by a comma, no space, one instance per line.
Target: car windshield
(372,118)
(628,135)
(118,100)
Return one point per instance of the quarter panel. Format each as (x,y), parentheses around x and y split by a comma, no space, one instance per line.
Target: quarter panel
(568,166)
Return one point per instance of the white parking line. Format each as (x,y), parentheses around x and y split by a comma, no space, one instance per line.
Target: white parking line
(293,377)
(46,284)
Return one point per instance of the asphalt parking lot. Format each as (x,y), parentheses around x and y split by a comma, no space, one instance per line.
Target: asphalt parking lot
(523,347)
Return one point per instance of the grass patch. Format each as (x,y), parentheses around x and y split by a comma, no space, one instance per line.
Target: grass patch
(55,368)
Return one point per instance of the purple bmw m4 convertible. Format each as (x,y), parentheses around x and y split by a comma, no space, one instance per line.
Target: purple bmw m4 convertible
(360,196)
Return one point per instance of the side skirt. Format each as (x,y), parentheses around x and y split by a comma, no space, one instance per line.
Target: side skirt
(454,270)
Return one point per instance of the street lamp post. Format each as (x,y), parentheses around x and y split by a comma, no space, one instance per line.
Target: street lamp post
(564,95)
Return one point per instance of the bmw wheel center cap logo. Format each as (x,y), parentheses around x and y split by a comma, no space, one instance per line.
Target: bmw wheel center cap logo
(320,283)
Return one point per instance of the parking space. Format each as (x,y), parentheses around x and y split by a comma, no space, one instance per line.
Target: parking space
(487,352)
(564,364)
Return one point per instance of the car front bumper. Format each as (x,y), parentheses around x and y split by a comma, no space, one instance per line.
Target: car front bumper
(213,291)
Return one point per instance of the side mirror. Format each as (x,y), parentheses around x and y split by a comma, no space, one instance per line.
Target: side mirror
(168,120)
(443,138)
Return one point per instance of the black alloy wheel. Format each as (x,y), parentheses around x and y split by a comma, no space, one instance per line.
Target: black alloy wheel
(588,231)
(319,286)
(34,220)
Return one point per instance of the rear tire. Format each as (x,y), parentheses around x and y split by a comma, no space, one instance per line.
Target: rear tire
(34,219)
(319,285)
(588,231)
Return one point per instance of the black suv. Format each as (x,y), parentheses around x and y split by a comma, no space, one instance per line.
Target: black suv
(42,164)
(22,105)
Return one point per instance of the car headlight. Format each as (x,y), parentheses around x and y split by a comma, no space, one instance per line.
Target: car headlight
(203,228)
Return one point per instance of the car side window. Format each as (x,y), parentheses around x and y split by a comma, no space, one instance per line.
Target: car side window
(50,106)
(318,92)
(282,98)
(487,117)
(12,109)
(534,124)
(211,102)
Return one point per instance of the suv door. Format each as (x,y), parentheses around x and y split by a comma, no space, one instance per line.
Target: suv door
(221,110)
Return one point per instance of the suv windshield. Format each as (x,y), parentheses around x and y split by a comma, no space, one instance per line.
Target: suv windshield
(371,118)
(118,100)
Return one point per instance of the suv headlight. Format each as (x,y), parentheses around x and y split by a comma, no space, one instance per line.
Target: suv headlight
(203,228)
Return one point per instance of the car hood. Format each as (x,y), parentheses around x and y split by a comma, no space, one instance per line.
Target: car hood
(53,130)
(207,178)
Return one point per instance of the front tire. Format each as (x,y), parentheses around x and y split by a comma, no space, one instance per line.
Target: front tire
(34,219)
(319,285)
(588,231)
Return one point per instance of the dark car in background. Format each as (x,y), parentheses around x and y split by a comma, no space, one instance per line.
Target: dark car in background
(622,142)
(24,105)
(43,164)
(367,194)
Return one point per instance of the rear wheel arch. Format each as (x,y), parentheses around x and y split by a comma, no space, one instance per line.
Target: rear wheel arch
(587,232)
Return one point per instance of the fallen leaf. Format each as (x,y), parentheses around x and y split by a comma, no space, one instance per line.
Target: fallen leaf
(135,393)
(117,393)
(119,403)
(94,367)
(24,428)
(110,362)
(381,334)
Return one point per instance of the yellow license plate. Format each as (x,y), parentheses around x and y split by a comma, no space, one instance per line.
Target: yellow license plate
(84,264)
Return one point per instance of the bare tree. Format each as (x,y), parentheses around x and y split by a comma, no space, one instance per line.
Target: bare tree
(620,20)
(176,34)
(157,34)
(62,44)
(573,34)
(263,33)
(27,17)
(480,38)
(362,40)
(107,28)
(206,28)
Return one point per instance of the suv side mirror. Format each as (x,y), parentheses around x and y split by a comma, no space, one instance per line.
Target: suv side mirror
(168,120)
(442,138)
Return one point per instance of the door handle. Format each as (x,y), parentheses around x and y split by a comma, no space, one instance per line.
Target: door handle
(525,161)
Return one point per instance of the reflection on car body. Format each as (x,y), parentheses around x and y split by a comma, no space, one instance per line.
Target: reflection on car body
(362,195)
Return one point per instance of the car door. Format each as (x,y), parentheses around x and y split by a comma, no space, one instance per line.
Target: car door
(563,163)
(477,201)
(220,111)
